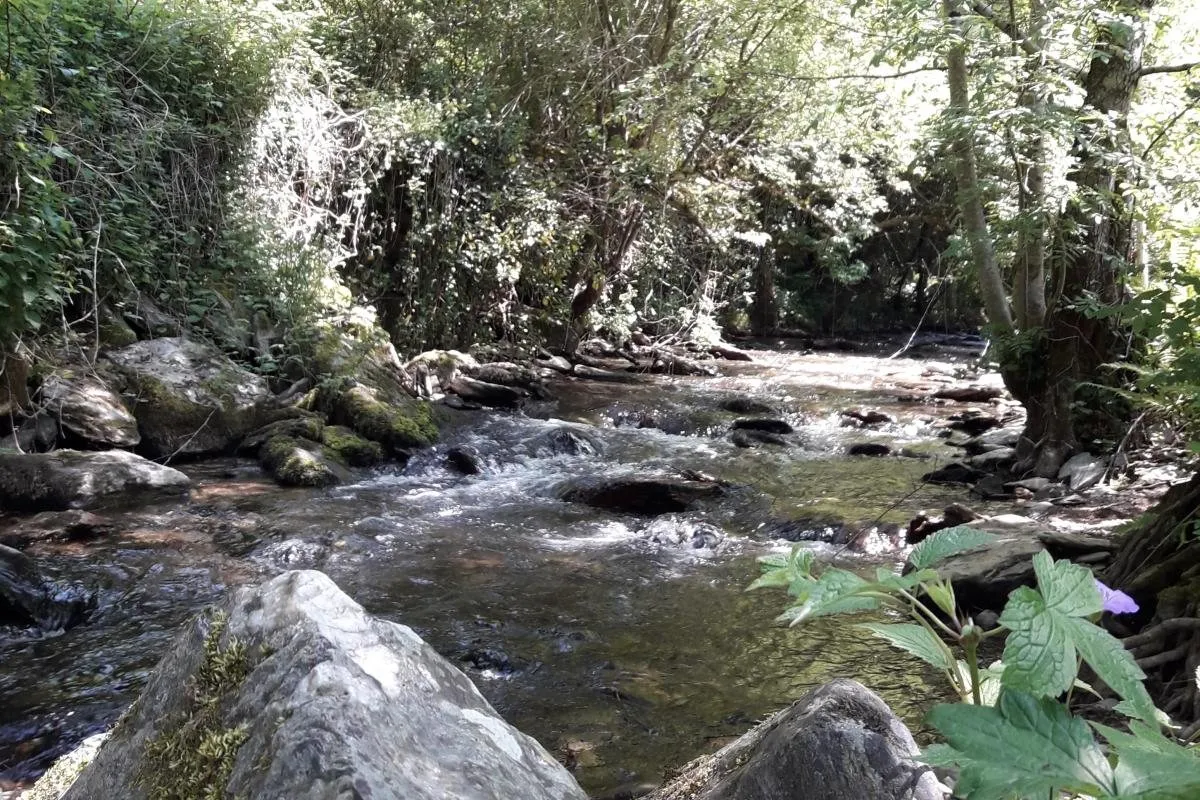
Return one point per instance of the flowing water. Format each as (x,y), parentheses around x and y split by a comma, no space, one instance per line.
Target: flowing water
(623,652)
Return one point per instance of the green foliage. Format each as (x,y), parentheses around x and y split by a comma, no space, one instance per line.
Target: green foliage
(1010,736)
(946,543)
(192,756)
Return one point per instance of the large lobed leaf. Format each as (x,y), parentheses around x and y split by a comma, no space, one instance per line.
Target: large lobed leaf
(946,543)
(1023,747)
(1047,628)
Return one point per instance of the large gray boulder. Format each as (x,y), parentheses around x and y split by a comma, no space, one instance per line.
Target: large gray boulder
(75,479)
(189,399)
(838,742)
(87,408)
(291,690)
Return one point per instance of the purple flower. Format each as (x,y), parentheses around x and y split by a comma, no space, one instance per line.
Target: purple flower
(1115,601)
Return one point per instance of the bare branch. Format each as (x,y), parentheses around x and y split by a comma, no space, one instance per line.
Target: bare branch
(1162,69)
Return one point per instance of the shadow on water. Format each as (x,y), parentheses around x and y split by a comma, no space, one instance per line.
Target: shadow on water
(624,656)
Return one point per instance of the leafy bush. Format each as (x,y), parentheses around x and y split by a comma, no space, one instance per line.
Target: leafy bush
(1011,736)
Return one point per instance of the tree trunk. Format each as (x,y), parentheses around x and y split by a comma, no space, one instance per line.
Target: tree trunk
(764,313)
(970,191)
(1045,367)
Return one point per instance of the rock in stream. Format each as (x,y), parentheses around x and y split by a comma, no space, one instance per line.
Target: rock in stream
(291,690)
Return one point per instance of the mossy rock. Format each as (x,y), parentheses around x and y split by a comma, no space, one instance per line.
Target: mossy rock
(190,399)
(352,448)
(298,462)
(401,425)
(304,426)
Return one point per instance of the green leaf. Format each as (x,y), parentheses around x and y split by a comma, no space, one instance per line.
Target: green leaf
(1068,588)
(1115,665)
(835,592)
(1038,656)
(1157,769)
(775,579)
(1046,628)
(946,543)
(915,639)
(1024,746)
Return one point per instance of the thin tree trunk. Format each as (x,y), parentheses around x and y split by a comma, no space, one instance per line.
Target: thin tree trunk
(970,193)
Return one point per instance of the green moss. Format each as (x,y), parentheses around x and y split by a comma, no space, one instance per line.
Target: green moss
(350,447)
(295,462)
(400,426)
(192,758)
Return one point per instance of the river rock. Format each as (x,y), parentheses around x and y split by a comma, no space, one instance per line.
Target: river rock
(56,526)
(984,577)
(993,460)
(838,742)
(87,408)
(777,426)
(974,423)
(746,405)
(1083,471)
(27,599)
(301,462)
(73,479)
(968,394)
(753,438)
(567,442)
(36,434)
(465,459)
(189,398)
(646,496)
(488,394)
(313,698)
(993,439)
(397,421)
(954,473)
(868,449)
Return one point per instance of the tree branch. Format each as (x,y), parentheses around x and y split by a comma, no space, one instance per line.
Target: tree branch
(1161,69)
(1006,26)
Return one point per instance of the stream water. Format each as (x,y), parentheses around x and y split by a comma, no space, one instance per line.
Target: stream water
(624,653)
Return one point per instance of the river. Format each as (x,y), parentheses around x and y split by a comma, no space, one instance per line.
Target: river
(622,651)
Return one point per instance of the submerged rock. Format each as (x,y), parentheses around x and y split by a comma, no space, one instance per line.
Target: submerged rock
(646,496)
(868,449)
(291,690)
(27,599)
(776,426)
(465,459)
(838,742)
(568,442)
(753,438)
(73,479)
(189,398)
(746,405)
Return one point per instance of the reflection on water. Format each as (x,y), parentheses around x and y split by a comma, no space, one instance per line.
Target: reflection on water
(579,630)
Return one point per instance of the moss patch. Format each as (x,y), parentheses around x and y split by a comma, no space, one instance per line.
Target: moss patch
(401,425)
(192,759)
(350,447)
(296,462)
